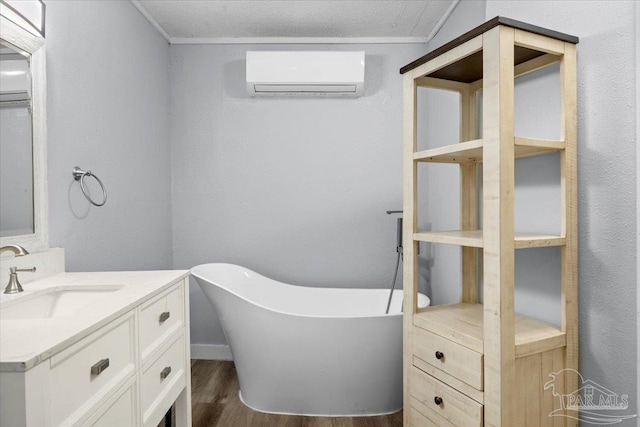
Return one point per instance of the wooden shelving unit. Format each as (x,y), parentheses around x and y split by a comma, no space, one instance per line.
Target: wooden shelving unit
(472,363)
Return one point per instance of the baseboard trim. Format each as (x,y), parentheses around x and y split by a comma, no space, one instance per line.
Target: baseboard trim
(211,352)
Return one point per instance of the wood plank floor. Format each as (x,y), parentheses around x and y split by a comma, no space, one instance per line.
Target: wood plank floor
(215,403)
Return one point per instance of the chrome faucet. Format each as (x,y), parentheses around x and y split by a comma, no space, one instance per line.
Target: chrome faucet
(14,285)
(16,249)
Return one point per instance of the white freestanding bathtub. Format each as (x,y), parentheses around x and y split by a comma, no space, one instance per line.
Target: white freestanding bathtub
(309,351)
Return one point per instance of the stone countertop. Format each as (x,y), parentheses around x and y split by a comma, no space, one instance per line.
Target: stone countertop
(24,343)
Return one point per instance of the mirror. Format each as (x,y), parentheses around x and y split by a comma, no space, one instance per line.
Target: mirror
(16,143)
(23,201)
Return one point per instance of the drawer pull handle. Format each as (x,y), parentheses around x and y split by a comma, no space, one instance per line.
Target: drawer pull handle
(438,400)
(100,366)
(439,355)
(164,316)
(165,372)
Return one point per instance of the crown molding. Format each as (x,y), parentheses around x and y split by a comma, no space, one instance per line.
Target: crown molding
(443,19)
(151,20)
(297,40)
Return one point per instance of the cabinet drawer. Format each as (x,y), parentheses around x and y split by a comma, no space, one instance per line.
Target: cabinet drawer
(418,420)
(454,359)
(160,318)
(438,400)
(163,381)
(120,410)
(85,373)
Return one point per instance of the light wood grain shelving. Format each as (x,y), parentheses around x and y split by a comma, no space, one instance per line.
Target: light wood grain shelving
(474,239)
(471,151)
(463,323)
(476,363)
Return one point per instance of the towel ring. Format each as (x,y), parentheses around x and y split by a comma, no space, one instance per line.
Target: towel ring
(79,175)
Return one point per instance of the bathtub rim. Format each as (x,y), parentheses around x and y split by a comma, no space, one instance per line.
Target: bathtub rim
(374,316)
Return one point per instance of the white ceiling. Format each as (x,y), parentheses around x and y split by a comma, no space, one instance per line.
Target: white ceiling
(255,21)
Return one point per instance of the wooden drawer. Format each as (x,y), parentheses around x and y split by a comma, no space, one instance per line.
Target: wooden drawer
(120,410)
(163,381)
(160,318)
(454,359)
(454,407)
(76,385)
(417,419)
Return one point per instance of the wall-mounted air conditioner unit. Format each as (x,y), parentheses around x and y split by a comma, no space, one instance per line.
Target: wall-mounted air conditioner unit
(305,73)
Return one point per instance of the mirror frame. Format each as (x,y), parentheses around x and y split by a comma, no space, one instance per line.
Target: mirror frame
(34,45)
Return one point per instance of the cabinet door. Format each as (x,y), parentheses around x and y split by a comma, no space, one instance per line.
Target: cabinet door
(121,410)
(91,370)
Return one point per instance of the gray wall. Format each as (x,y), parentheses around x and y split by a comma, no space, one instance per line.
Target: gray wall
(468,14)
(108,111)
(295,189)
(638,192)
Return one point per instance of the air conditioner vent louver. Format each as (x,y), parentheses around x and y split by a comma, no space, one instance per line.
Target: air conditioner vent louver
(305,73)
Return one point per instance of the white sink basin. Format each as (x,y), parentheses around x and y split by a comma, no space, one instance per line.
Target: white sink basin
(61,301)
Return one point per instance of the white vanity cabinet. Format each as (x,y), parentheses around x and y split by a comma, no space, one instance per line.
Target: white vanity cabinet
(127,372)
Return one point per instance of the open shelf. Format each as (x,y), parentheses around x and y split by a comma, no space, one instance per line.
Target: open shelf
(471,151)
(471,238)
(474,239)
(463,324)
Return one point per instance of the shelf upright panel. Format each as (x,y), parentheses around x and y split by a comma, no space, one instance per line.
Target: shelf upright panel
(410,261)
(468,196)
(569,214)
(498,225)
